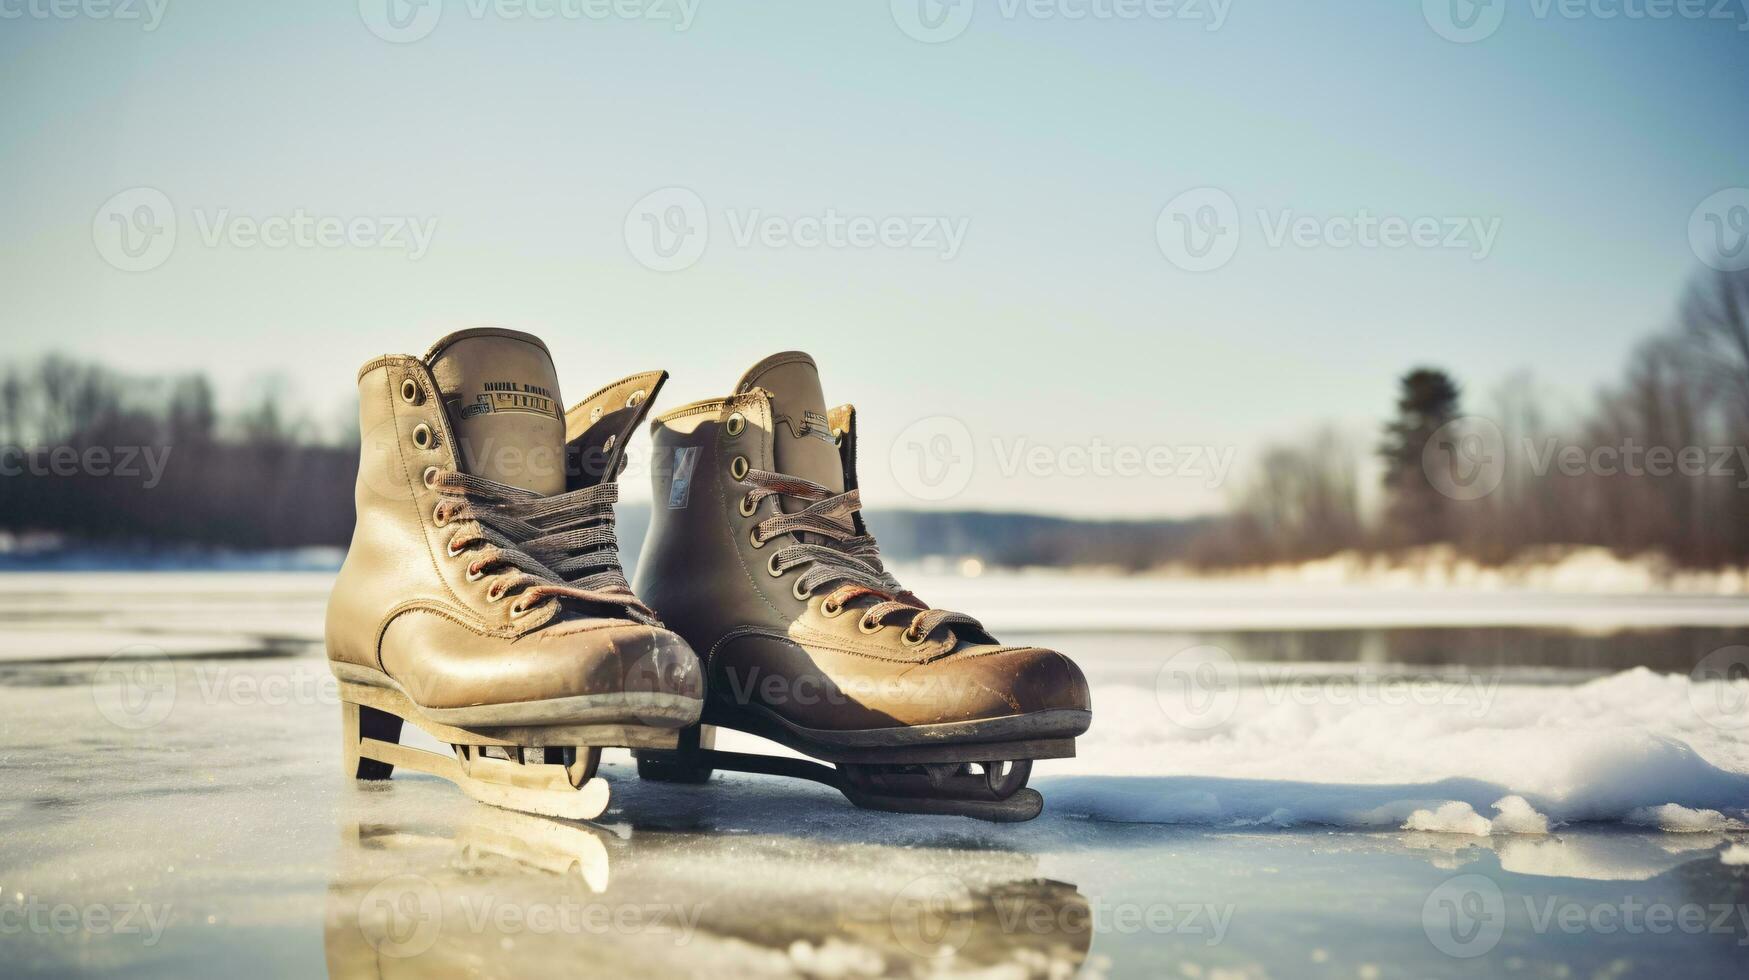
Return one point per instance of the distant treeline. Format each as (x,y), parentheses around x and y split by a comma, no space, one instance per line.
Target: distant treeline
(103,458)
(1658,463)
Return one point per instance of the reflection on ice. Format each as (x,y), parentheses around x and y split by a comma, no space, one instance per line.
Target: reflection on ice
(1592,857)
(557,895)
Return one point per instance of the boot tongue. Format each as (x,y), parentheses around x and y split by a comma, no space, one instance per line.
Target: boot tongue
(802,442)
(502,395)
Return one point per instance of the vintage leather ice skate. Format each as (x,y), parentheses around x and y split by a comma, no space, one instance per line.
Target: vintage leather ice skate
(759,557)
(482,598)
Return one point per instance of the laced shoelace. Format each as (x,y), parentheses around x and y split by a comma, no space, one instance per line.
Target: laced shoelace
(561,546)
(841,556)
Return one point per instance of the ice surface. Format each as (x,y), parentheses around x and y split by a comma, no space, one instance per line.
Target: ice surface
(1274,802)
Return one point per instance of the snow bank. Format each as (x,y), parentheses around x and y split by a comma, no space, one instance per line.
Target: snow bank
(1550,569)
(1633,748)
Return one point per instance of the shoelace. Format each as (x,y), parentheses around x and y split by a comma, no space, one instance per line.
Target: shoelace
(846,557)
(563,546)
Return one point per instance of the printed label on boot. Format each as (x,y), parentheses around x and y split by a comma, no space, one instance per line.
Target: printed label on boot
(680,491)
(511,396)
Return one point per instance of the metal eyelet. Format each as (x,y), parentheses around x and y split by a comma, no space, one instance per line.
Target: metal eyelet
(410,392)
(863,625)
(830,609)
(753,536)
(748,507)
(495,591)
(911,640)
(636,399)
(476,573)
(430,478)
(738,467)
(801,593)
(438,517)
(423,437)
(771,566)
(736,425)
(454,552)
(518,609)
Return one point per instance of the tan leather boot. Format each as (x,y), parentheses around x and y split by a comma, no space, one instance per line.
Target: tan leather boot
(482,597)
(758,556)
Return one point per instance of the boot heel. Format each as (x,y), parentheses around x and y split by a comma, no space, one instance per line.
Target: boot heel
(359,722)
(683,764)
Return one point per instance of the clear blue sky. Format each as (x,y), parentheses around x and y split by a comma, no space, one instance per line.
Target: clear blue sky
(1057,142)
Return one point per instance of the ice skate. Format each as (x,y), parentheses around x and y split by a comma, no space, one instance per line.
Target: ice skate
(482,598)
(759,557)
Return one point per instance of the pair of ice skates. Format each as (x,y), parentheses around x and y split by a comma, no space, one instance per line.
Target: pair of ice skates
(483,601)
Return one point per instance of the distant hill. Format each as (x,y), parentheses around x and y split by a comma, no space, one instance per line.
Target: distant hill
(999,539)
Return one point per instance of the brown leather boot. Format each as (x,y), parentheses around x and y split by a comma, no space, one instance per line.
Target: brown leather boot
(758,556)
(482,597)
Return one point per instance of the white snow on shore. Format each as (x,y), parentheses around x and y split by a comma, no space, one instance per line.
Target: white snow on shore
(1632,748)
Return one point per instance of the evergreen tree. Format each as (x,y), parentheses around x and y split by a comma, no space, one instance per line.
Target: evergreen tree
(1415,512)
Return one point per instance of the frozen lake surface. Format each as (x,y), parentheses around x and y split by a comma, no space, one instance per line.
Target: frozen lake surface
(1279,782)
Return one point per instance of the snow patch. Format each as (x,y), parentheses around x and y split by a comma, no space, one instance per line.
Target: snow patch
(1682,820)
(1634,747)
(1516,817)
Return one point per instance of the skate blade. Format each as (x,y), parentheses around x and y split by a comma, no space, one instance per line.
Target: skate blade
(1020,807)
(528,787)
(372,719)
